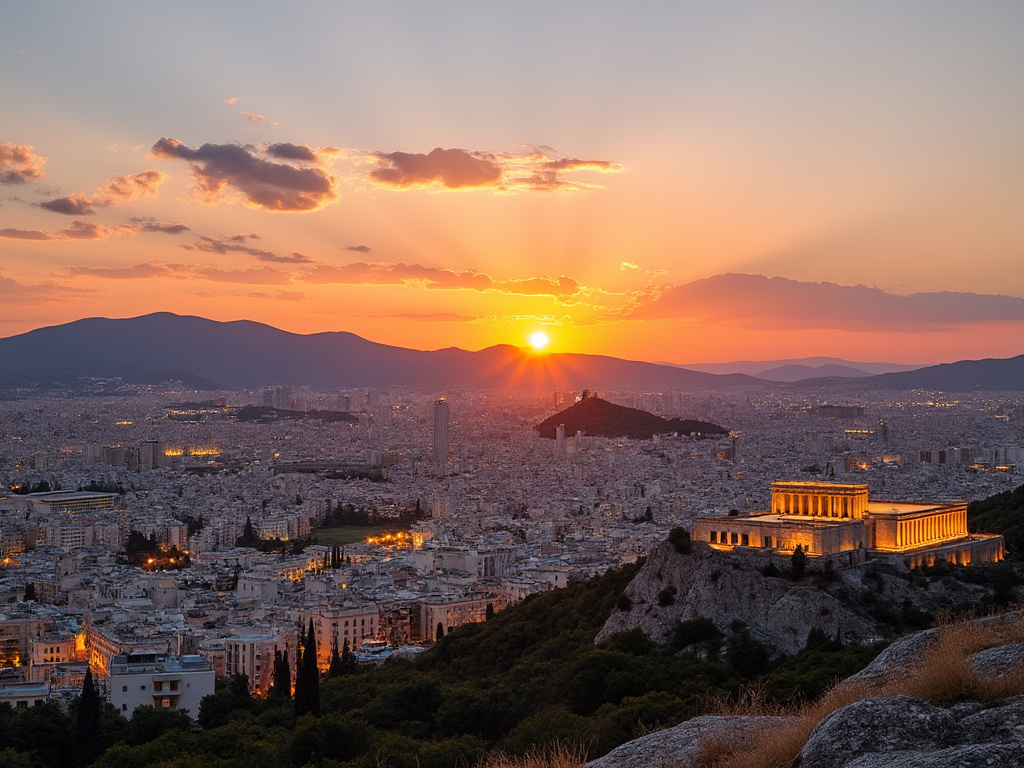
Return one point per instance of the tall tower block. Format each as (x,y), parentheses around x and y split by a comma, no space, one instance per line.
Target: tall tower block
(439,445)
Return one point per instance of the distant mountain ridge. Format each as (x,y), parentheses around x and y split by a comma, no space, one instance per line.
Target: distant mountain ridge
(243,354)
(820,366)
(595,416)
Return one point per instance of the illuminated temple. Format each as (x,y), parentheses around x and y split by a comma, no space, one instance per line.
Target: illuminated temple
(840,521)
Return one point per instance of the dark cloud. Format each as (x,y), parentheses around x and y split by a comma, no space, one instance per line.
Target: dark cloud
(19,163)
(286,151)
(364,273)
(756,301)
(262,183)
(118,190)
(149,224)
(242,238)
(292,258)
(359,248)
(73,205)
(464,169)
(213,245)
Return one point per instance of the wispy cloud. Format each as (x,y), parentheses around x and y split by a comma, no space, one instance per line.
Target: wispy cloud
(118,190)
(277,295)
(756,301)
(19,163)
(233,244)
(273,186)
(14,291)
(256,118)
(359,248)
(231,101)
(152,270)
(465,169)
(365,273)
(434,317)
(79,230)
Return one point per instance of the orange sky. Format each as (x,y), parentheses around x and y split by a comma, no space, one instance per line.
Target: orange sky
(465,176)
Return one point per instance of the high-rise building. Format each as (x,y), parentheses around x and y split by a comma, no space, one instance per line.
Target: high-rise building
(439,445)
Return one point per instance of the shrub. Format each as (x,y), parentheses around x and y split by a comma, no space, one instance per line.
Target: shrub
(667,596)
(680,540)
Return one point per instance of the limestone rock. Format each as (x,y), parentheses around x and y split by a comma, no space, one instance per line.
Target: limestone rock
(678,747)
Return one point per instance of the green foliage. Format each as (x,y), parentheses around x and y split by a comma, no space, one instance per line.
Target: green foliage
(806,676)
(698,630)
(1002,513)
(747,655)
(680,539)
(799,562)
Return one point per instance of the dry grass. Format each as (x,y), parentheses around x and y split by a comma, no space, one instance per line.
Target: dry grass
(554,756)
(944,674)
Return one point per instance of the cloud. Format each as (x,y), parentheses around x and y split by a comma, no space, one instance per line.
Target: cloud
(149,224)
(756,301)
(13,291)
(435,317)
(207,244)
(359,248)
(149,270)
(144,270)
(364,273)
(262,183)
(79,230)
(256,118)
(19,163)
(628,265)
(286,151)
(277,295)
(231,100)
(465,169)
(118,190)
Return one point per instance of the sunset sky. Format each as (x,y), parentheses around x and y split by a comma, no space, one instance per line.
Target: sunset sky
(686,182)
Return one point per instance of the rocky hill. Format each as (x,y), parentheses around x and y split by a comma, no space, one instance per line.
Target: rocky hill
(596,417)
(952,697)
(861,604)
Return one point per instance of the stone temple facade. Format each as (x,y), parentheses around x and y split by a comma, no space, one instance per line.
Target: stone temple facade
(840,522)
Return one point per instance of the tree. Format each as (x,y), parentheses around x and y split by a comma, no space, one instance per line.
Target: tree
(281,687)
(489,614)
(30,592)
(88,723)
(440,632)
(336,669)
(799,561)
(307,695)
(349,663)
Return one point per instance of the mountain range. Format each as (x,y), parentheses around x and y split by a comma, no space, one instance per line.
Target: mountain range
(242,354)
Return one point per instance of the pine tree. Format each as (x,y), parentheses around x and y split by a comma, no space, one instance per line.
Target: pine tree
(88,724)
(300,680)
(799,561)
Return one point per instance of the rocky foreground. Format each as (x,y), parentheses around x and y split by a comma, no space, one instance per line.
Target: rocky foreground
(968,711)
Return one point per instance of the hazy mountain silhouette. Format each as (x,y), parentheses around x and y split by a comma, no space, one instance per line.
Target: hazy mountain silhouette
(595,416)
(963,376)
(243,354)
(759,368)
(803,372)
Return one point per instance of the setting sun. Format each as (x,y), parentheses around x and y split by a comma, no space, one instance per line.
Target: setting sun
(539,340)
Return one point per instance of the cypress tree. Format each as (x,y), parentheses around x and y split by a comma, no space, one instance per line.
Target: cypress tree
(88,724)
(282,684)
(337,668)
(307,677)
(348,660)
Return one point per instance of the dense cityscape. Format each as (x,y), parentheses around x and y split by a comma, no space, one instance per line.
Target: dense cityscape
(157,525)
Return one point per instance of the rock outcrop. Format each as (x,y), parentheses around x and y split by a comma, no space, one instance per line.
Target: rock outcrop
(858,604)
(877,731)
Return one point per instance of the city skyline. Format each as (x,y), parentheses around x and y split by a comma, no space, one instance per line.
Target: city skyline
(686,184)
